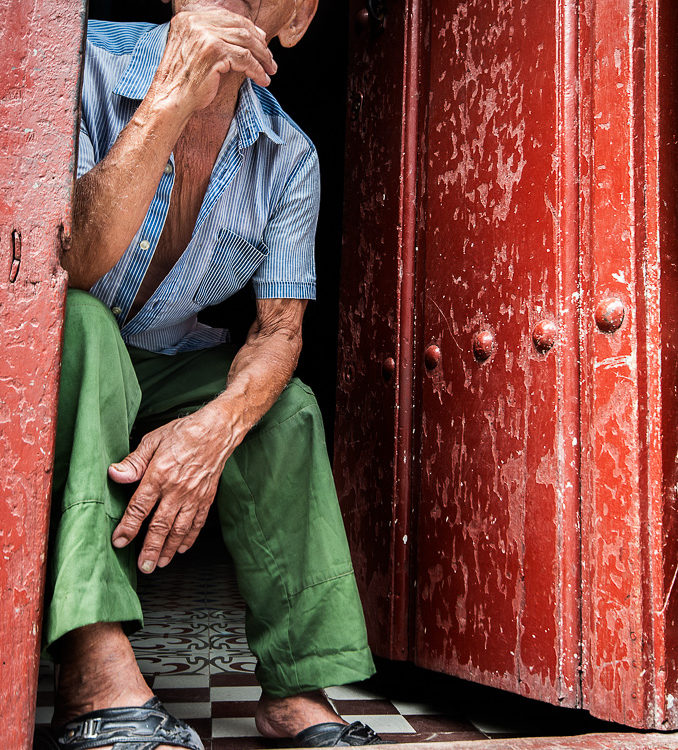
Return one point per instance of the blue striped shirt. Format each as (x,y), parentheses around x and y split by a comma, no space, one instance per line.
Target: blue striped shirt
(257,220)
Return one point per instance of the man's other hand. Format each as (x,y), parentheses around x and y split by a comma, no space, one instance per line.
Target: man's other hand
(178,467)
(201,47)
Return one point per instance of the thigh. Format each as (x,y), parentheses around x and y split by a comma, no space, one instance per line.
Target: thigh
(178,384)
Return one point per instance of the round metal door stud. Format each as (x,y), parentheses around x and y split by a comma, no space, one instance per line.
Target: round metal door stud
(388,368)
(544,336)
(484,344)
(610,314)
(432,357)
(362,18)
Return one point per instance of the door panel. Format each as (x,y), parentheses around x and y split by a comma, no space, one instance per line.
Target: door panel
(498,546)
(629,403)
(373,424)
(40,49)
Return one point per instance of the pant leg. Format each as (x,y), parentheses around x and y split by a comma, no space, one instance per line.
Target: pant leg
(281,522)
(89,580)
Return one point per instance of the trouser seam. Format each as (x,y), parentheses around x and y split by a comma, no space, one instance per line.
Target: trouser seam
(279,575)
(75,504)
(337,577)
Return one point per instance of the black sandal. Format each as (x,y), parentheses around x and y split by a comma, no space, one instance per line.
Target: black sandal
(143,728)
(333,734)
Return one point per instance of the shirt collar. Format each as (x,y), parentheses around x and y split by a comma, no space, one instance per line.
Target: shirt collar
(144,61)
(146,56)
(251,118)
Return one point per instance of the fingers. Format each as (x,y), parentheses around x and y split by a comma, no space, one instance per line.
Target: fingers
(188,523)
(190,538)
(244,40)
(242,60)
(132,468)
(168,521)
(138,509)
(229,41)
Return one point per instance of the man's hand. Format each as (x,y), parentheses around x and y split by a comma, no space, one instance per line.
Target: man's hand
(203,46)
(112,199)
(178,466)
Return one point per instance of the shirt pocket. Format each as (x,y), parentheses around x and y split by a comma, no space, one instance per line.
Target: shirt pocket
(234,261)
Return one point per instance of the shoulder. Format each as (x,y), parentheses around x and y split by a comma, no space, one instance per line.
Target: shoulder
(282,124)
(115,38)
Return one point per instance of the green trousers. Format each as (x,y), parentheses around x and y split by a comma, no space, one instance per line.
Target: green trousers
(276,502)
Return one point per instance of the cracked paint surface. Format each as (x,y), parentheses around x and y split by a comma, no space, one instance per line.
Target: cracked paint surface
(40,45)
(497,564)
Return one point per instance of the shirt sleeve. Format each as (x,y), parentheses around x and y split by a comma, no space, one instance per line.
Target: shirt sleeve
(288,272)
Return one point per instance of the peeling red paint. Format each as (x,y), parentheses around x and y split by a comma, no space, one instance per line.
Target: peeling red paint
(544,464)
(499,499)
(40,51)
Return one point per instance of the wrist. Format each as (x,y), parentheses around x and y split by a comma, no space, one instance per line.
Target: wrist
(226,422)
(166,109)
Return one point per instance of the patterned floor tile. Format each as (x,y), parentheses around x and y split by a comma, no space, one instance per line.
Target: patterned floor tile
(181,681)
(235,693)
(392,723)
(193,652)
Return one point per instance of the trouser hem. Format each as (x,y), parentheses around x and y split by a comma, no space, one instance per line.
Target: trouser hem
(128,615)
(315,673)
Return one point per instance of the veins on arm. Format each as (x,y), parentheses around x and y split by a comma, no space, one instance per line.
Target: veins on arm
(264,365)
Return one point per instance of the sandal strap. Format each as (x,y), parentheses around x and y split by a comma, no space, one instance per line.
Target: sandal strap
(333,734)
(140,728)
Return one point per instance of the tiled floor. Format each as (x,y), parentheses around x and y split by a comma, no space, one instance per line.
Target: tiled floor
(194,654)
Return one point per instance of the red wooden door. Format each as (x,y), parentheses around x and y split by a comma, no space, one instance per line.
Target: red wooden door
(40,45)
(374,399)
(543,469)
(629,177)
(498,544)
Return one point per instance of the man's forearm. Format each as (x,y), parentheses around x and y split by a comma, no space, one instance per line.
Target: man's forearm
(258,375)
(111,201)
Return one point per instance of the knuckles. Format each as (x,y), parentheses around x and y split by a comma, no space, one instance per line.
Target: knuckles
(136,511)
(160,527)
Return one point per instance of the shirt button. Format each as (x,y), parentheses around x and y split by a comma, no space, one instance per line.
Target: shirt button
(144,244)
(168,168)
(116,310)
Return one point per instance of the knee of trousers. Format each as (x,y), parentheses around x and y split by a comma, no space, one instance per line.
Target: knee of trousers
(296,397)
(82,306)
(93,351)
(88,325)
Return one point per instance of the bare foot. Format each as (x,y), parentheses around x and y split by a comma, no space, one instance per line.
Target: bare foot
(98,670)
(286,717)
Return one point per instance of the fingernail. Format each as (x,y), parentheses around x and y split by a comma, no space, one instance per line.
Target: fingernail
(147,566)
(120,541)
(182,549)
(163,561)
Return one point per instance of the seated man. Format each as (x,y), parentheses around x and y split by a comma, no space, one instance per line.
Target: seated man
(191,182)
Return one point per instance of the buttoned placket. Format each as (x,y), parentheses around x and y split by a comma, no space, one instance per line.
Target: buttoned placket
(228,165)
(146,242)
